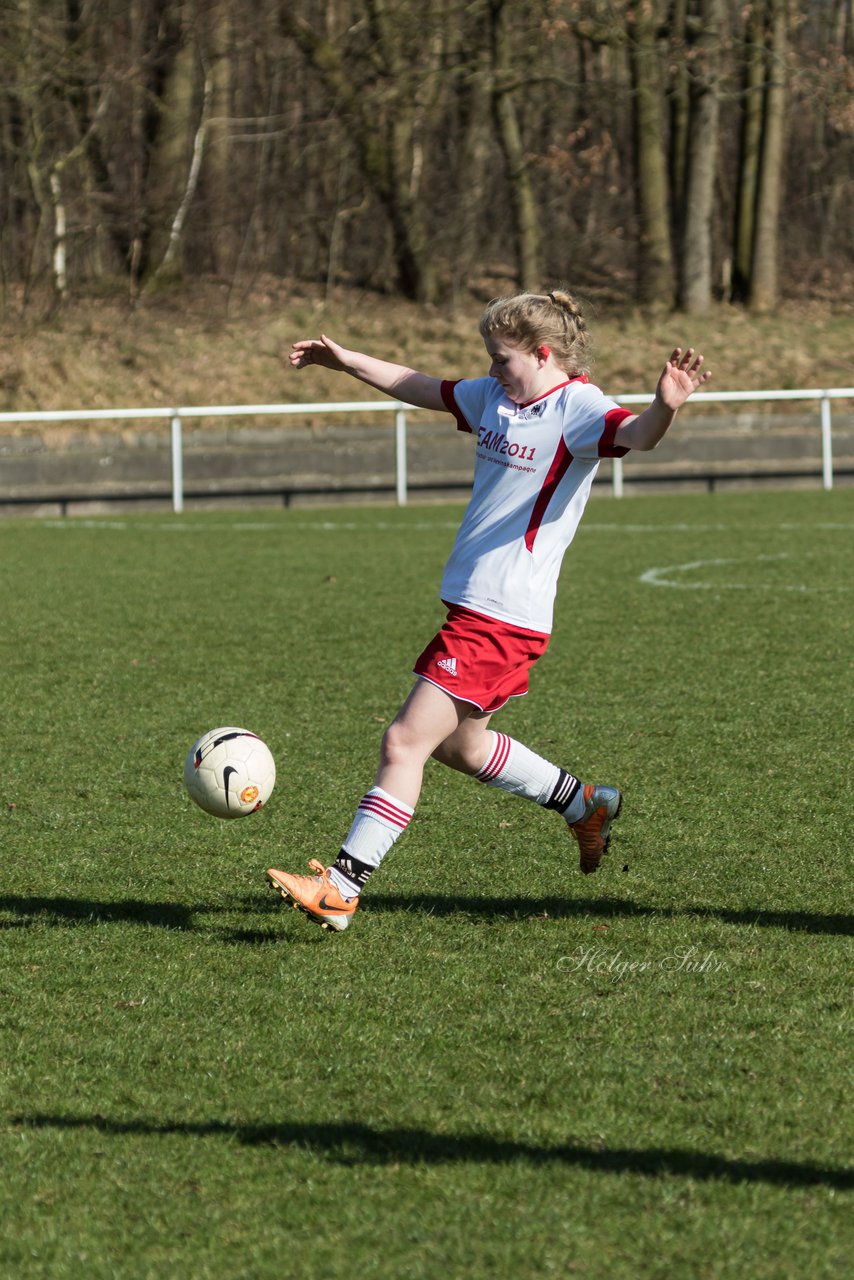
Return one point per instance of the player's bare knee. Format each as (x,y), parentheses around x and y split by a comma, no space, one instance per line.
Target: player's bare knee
(399,745)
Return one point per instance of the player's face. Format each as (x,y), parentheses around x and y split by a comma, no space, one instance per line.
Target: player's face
(519,372)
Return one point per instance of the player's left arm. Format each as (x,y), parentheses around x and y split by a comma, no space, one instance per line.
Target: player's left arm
(681,376)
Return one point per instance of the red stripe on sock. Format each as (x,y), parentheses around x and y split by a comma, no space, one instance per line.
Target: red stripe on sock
(497,760)
(378,807)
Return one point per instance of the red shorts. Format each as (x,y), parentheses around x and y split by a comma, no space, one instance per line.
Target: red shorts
(479,659)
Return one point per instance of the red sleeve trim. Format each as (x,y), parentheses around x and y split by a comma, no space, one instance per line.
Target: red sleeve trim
(450,401)
(614,419)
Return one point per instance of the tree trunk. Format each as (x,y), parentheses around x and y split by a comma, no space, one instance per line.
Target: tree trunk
(695,275)
(748,165)
(655,259)
(221,183)
(382,135)
(60,228)
(476,149)
(520,190)
(171,260)
(136,213)
(680,111)
(764,280)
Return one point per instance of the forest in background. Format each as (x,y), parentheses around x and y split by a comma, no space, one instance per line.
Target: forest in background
(678,152)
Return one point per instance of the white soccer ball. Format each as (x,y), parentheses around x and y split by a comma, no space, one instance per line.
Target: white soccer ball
(230,772)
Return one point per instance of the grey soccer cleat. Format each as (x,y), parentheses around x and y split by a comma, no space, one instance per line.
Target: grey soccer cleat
(593,831)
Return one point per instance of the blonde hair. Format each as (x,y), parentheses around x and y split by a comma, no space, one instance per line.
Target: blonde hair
(532,320)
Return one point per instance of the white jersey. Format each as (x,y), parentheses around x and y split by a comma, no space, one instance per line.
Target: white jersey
(534,467)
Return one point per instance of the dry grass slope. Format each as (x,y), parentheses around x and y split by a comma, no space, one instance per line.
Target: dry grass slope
(207,345)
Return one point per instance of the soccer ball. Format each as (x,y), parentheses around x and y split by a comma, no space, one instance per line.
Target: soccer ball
(230,772)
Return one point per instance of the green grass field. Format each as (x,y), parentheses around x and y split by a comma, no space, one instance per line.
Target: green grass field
(503,1068)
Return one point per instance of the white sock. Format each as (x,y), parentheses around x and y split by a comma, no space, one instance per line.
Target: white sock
(380,820)
(513,767)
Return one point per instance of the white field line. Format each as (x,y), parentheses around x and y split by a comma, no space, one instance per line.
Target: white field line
(658,576)
(664,577)
(188,525)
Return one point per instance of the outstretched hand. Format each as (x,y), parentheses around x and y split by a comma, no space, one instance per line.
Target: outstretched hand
(321,351)
(392,379)
(680,377)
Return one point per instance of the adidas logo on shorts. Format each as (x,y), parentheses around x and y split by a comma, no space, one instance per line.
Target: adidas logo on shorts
(448,664)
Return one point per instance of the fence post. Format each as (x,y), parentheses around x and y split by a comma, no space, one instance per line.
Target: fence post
(826,444)
(400,455)
(177,465)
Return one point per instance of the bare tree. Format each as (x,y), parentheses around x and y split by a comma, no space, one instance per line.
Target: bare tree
(50,70)
(752,92)
(427,148)
(764,275)
(680,112)
(655,258)
(383,119)
(695,266)
(520,192)
(169,262)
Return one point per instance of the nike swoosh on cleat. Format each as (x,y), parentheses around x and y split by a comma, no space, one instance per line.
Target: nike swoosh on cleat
(323,905)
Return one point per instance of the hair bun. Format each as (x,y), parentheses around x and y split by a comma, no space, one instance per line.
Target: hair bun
(565,301)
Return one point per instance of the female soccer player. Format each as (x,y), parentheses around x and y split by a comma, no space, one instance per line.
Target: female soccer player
(539,429)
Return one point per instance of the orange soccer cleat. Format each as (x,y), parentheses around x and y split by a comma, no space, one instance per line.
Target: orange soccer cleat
(315,895)
(593,832)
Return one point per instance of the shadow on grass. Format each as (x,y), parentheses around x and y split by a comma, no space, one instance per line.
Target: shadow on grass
(567,908)
(173,915)
(358,1144)
(72,911)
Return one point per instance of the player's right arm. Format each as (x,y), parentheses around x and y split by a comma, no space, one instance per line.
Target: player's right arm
(396,380)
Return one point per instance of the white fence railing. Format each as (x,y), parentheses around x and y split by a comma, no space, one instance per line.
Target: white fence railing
(399,409)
